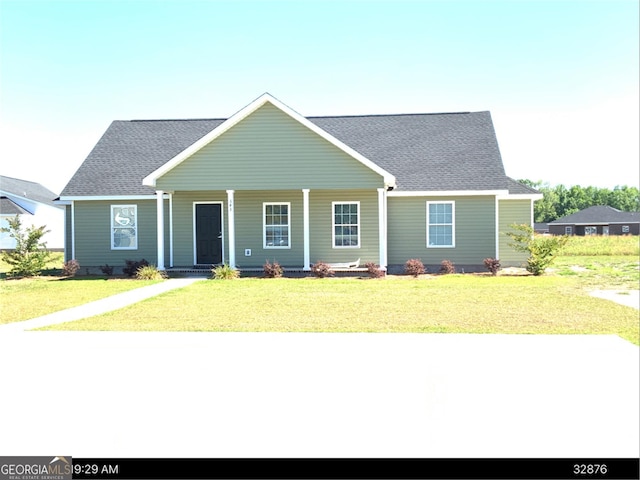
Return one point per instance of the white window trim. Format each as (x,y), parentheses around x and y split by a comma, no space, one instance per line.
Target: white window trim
(264,226)
(453,223)
(568,230)
(625,229)
(333,225)
(113,226)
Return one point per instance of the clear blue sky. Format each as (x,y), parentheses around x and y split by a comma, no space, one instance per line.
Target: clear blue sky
(559,77)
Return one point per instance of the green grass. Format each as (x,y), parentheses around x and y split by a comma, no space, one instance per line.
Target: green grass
(22,299)
(600,272)
(601,245)
(443,304)
(54,265)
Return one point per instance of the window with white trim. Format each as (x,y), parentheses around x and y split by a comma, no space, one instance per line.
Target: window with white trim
(276,221)
(124,227)
(568,230)
(441,231)
(625,229)
(590,230)
(346,224)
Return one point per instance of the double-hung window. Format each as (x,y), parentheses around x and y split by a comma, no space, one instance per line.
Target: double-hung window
(346,224)
(277,224)
(124,227)
(441,229)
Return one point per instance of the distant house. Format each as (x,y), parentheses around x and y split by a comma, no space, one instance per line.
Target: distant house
(34,203)
(597,220)
(270,184)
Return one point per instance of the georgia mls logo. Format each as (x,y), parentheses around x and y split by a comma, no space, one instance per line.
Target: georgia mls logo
(35,468)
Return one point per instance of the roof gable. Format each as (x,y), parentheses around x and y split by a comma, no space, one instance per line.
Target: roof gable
(151,179)
(9,207)
(27,190)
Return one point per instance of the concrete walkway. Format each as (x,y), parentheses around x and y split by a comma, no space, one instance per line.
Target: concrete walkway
(98,307)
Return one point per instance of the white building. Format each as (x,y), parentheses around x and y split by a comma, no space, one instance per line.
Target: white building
(34,204)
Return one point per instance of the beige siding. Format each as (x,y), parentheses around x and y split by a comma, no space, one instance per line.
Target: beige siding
(93,233)
(183,234)
(512,211)
(474,230)
(269,150)
(321,214)
(248,211)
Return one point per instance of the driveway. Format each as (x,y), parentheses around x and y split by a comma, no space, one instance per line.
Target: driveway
(104,394)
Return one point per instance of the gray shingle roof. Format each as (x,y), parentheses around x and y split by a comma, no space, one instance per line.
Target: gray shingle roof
(26,189)
(599,214)
(9,207)
(454,151)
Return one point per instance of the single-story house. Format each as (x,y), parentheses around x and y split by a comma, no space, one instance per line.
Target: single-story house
(35,205)
(597,220)
(270,184)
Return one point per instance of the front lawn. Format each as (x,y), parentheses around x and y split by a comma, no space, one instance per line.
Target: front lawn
(443,304)
(22,299)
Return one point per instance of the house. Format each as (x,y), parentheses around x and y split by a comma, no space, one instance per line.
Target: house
(597,220)
(270,184)
(35,205)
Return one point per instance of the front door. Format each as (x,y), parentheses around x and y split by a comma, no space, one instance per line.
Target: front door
(208,233)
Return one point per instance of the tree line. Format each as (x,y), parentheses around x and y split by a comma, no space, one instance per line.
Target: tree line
(560,201)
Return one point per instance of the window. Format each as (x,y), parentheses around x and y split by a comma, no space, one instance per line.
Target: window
(441,225)
(625,229)
(124,227)
(590,230)
(276,225)
(346,224)
(568,230)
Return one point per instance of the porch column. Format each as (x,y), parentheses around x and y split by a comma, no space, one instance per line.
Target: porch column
(232,229)
(305,230)
(382,228)
(160,229)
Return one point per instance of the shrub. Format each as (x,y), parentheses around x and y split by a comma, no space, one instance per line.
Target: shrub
(272,270)
(132,266)
(321,270)
(107,270)
(374,270)
(149,272)
(30,255)
(225,272)
(70,268)
(493,265)
(447,267)
(414,267)
(542,250)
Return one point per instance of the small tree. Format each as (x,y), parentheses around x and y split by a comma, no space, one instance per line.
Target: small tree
(30,255)
(542,250)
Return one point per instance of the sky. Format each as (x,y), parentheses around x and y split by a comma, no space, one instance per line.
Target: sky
(560,78)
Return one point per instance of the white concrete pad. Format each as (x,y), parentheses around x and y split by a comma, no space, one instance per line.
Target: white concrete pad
(103,394)
(628,298)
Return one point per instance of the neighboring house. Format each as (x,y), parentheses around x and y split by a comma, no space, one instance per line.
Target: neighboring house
(597,220)
(270,184)
(35,205)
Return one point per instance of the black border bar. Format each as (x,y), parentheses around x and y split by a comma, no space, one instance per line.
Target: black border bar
(354,468)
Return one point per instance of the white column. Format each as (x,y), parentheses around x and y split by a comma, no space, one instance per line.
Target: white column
(160,229)
(73,230)
(232,229)
(497,221)
(305,230)
(171,229)
(382,229)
